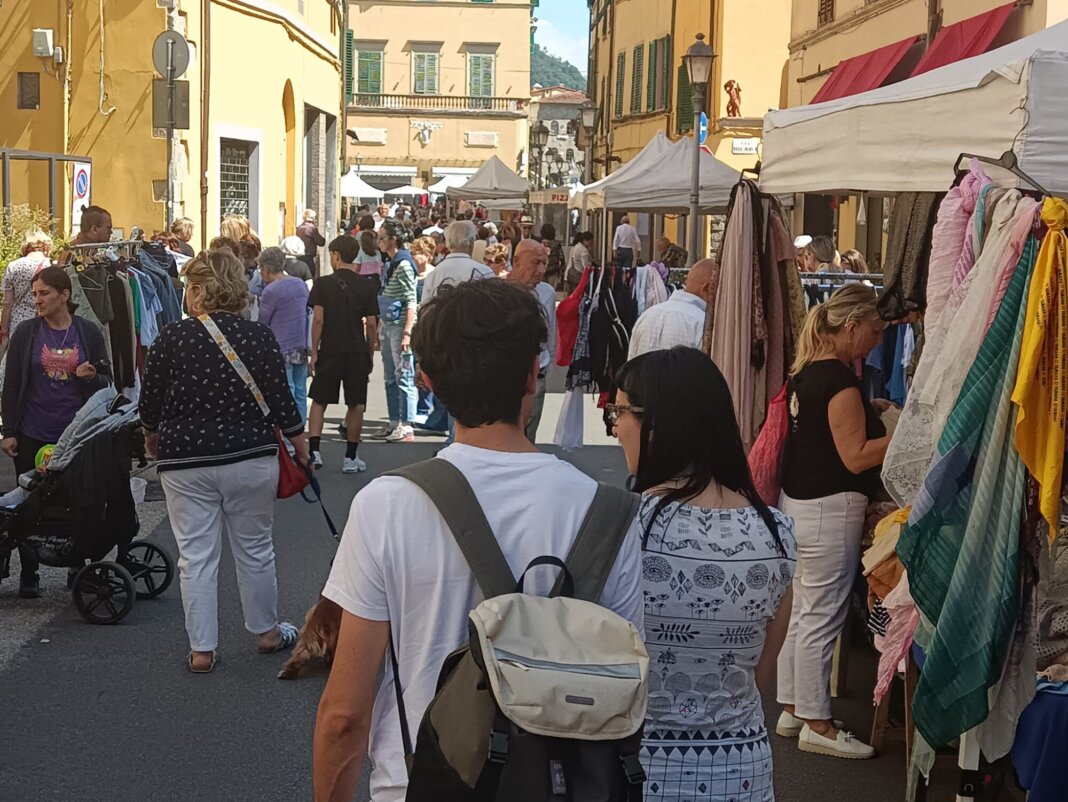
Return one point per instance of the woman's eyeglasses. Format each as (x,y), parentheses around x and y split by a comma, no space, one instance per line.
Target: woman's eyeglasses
(613,411)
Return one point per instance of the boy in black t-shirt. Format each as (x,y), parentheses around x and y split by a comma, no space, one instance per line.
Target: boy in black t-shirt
(344,327)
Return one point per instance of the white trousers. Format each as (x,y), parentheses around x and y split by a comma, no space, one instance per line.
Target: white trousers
(200,502)
(828,532)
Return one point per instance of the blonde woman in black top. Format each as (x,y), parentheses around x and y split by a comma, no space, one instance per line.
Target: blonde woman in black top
(834,450)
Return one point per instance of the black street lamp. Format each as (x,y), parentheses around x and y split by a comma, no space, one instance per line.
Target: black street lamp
(698,61)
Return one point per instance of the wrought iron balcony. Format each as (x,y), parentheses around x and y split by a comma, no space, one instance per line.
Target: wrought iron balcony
(439,103)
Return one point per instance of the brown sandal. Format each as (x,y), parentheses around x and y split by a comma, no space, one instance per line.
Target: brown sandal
(209,669)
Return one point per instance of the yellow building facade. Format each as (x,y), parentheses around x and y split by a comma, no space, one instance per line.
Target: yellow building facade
(639,83)
(264,97)
(824,33)
(435,89)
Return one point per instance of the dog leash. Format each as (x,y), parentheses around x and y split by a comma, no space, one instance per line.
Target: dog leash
(313,483)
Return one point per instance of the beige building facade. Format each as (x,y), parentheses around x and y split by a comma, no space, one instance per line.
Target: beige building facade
(264,108)
(640,86)
(434,89)
(824,33)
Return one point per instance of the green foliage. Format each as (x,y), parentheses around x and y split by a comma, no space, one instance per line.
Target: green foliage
(14,224)
(549,70)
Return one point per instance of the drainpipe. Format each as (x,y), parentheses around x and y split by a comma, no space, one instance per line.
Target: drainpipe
(205,101)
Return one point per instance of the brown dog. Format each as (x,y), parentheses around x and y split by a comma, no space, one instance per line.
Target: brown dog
(318,638)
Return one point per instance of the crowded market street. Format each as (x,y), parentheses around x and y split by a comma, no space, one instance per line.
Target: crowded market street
(130,722)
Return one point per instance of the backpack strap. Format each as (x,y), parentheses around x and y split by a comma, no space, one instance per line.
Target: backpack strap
(452,495)
(593,554)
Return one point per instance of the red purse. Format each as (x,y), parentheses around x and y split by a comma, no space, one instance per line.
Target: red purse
(567,312)
(292,478)
(766,456)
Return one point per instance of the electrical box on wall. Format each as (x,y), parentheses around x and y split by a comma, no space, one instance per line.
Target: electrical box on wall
(42,42)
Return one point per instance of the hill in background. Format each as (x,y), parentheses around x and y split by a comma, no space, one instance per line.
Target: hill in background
(549,70)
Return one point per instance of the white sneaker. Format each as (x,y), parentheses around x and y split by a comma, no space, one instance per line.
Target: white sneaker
(789,725)
(316,460)
(844,746)
(354,465)
(402,434)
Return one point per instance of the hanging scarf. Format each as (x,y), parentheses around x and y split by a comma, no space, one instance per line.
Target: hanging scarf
(961,544)
(1040,385)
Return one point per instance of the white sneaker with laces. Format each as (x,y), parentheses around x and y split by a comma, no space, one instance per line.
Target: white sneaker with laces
(789,725)
(844,746)
(316,460)
(402,434)
(354,465)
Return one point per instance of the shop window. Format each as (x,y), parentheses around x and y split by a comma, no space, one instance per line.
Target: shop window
(237,177)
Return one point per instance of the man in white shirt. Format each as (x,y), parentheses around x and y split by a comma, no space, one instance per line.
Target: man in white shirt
(626,243)
(680,320)
(381,213)
(528,269)
(458,266)
(399,575)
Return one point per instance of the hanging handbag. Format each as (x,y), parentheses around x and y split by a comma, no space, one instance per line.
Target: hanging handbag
(766,456)
(292,478)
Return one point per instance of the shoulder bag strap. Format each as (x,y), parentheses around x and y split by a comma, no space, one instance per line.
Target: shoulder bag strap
(235,362)
(452,495)
(599,539)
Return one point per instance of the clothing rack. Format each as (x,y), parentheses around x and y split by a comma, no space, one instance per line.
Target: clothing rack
(131,246)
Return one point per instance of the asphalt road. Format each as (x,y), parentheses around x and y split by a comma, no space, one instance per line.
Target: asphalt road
(111,714)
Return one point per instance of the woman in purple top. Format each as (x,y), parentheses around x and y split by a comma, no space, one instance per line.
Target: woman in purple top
(54,363)
(284,308)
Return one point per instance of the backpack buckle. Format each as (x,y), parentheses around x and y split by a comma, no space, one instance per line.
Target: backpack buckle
(498,747)
(632,767)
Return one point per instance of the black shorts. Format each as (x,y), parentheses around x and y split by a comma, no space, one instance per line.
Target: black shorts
(332,370)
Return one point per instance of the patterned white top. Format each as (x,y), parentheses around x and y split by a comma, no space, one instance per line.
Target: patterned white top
(713,579)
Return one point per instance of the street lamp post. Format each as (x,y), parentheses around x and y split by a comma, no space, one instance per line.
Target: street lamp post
(698,61)
(539,138)
(589,120)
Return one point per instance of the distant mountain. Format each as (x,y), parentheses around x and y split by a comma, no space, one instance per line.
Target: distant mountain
(549,70)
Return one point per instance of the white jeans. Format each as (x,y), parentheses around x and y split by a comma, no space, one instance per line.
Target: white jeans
(199,502)
(828,532)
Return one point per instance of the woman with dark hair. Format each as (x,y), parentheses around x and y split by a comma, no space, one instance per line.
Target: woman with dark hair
(398,303)
(578,260)
(717,568)
(54,363)
(554,269)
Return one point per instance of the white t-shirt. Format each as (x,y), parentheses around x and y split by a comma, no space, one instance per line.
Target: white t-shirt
(454,268)
(626,237)
(398,562)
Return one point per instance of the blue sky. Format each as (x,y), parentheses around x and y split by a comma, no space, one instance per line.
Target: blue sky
(563,30)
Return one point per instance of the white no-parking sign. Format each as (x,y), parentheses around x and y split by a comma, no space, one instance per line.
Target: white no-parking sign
(81,191)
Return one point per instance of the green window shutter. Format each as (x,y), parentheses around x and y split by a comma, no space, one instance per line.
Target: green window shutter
(621,67)
(349,67)
(480,74)
(664,90)
(683,103)
(650,84)
(425,74)
(636,80)
(369,72)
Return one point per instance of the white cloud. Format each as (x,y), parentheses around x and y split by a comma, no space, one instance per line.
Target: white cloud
(573,47)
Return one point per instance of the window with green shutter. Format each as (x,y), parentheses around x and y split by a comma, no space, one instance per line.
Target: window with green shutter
(621,67)
(683,102)
(636,79)
(369,72)
(425,73)
(664,90)
(480,74)
(349,66)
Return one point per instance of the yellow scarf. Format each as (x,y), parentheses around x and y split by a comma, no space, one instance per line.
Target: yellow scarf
(1043,372)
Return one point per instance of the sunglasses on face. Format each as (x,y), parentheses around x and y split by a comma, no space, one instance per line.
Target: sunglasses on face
(613,411)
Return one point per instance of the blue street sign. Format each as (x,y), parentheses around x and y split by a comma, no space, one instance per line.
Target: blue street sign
(702,129)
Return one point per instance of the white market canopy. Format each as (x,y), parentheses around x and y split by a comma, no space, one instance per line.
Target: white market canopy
(352,186)
(592,196)
(447,182)
(906,137)
(406,190)
(493,181)
(665,189)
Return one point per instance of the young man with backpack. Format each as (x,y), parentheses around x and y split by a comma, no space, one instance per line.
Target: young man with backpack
(408,581)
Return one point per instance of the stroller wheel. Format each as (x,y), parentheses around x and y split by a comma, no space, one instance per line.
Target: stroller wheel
(150,566)
(103,592)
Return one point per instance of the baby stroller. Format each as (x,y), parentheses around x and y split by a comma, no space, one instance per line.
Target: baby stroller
(82,508)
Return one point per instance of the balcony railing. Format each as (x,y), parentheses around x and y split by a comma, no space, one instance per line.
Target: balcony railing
(438,103)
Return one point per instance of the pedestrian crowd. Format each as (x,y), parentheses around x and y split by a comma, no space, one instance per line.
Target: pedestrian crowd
(728,593)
